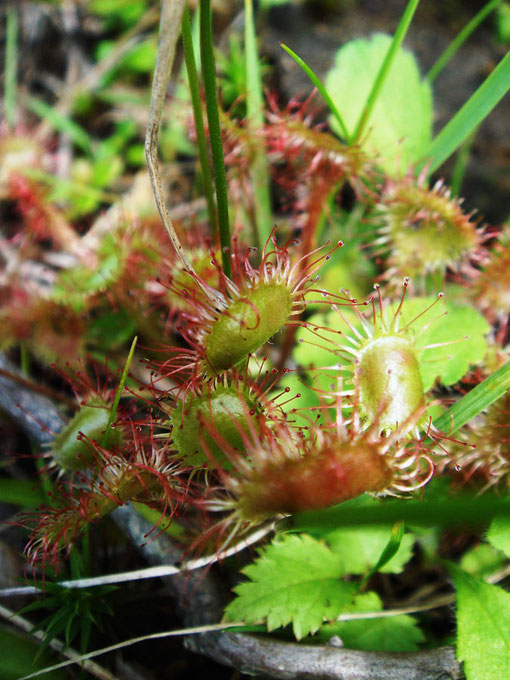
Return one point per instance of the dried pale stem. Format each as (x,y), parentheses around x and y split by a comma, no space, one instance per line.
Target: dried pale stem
(170,28)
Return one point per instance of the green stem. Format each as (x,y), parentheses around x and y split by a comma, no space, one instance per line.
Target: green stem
(196,102)
(211,103)
(460,39)
(462,510)
(11,67)
(255,120)
(398,38)
(322,90)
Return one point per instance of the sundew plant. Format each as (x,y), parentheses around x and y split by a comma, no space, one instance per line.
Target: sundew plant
(276,323)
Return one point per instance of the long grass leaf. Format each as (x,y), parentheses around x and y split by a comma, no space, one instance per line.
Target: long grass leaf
(321,89)
(460,39)
(255,120)
(213,118)
(397,41)
(196,103)
(61,122)
(475,401)
(467,119)
(11,67)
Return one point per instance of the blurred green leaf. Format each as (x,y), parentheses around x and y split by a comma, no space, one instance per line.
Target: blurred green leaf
(19,657)
(483,627)
(499,534)
(25,493)
(385,634)
(361,548)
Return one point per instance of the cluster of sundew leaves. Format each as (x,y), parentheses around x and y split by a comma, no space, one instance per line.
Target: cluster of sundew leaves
(444,374)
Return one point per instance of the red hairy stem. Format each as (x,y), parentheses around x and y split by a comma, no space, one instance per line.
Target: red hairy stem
(336,474)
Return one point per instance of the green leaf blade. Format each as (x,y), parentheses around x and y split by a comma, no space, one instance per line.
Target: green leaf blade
(467,119)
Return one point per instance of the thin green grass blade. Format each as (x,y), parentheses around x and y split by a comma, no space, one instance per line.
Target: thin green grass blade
(397,41)
(460,39)
(255,109)
(211,104)
(390,550)
(11,67)
(321,89)
(21,492)
(196,103)
(61,123)
(118,394)
(474,402)
(467,119)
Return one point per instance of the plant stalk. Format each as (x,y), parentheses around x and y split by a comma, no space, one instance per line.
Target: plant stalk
(211,103)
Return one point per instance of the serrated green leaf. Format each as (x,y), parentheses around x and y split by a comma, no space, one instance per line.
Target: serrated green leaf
(483,627)
(400,125)
(388,634)
(297,580)
(360,548)
(499,534)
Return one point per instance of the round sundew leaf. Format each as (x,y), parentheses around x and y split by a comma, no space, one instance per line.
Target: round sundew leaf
(460,332)
(248,323)
(400,126)
(226,411)
(72,452)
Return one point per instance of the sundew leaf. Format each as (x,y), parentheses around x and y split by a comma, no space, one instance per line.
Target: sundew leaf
(483,627)
(297,580)
(459,330)
(360,549)
(388,634)
(460,333)
(400,126)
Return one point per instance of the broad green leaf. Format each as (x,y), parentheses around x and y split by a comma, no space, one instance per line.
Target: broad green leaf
(297,580)
(388,634)
(360,548)
(483,627)
(400,126)
(499,534)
